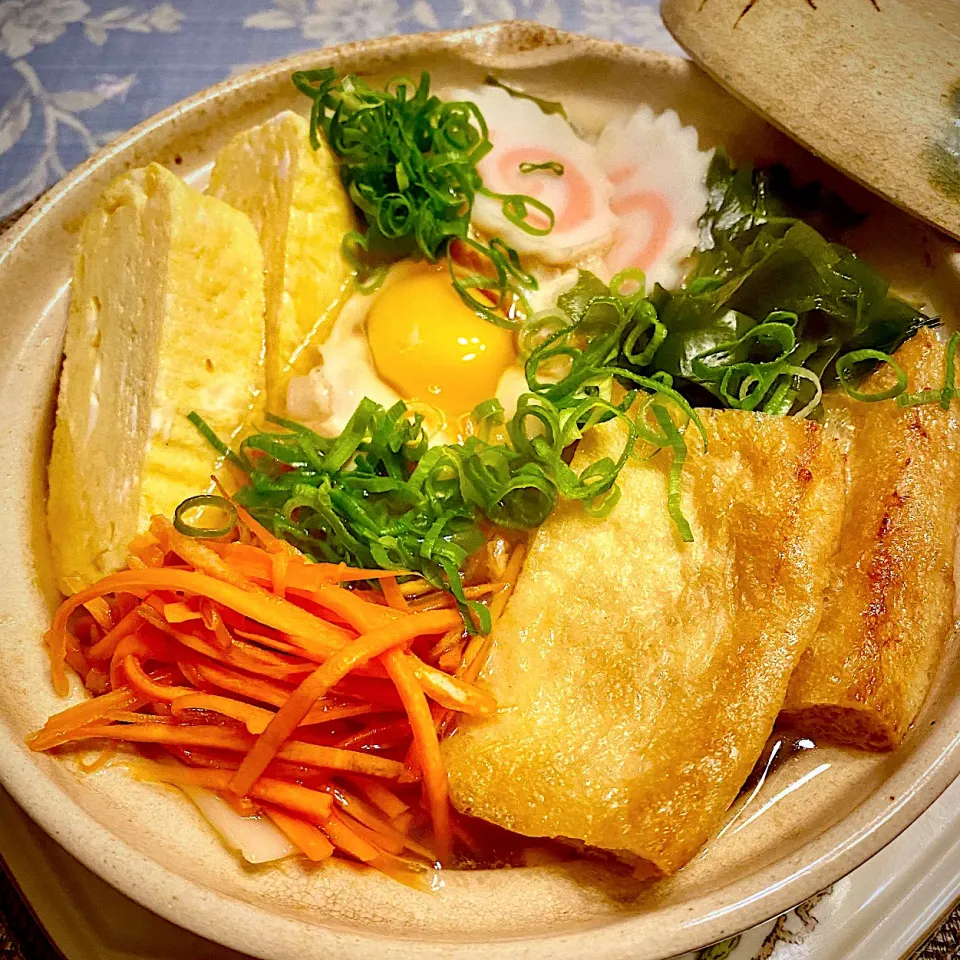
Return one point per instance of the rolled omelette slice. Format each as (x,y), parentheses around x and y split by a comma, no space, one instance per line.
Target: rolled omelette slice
(294,197)
(638,677)
(889,603)
(166,317)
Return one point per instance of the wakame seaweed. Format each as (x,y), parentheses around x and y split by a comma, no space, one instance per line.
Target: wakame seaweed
(768,294)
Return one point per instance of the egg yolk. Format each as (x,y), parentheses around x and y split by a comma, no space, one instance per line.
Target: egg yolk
(430,346)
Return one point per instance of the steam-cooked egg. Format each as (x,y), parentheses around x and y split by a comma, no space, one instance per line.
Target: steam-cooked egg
(414,340)
(430,346)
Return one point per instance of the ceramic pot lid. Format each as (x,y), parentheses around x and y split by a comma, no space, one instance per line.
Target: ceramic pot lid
(870,86)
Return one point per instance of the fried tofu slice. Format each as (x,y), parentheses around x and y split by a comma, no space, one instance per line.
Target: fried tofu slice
(889,603)
(294,197)
(638,677)
(166,317)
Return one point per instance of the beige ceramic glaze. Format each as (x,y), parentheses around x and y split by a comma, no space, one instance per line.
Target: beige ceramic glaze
(818,816)
(870,85)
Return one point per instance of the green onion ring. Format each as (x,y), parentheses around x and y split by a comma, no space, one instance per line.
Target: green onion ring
(846,363)
(206,533)
(549,166)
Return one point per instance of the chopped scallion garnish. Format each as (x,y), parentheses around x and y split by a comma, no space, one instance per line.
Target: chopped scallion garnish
(548,166)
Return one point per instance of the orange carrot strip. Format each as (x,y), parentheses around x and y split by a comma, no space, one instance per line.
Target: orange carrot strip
(361,811)
(447,642)
(128,716)
(83,713)
(347,840)
(379,734)
(385,799)
(361,651)
(144,644)
(256,719)
(307,838)
(362,615)
(309,631)
(254,688)
(274,544)
(179,612)
(453,692)
(403,673)
(312,804)
(99,609)
(56,642)
(142,683)
(380,841)
(255,564)
(393,596)
(198,555)
(283,647)
(279,564)
(510,575)
(219,738)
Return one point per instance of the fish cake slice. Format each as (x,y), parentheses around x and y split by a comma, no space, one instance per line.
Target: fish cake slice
(889,603)
(639,677)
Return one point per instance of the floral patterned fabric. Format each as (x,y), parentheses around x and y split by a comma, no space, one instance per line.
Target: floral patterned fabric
(75,73)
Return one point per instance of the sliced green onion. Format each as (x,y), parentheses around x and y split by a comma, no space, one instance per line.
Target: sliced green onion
(202,504)
(515,209)
(548,166)
(804,374)
(846,374)
(629,275)
(674,490)
(547,106)
(211,437)
(950,376)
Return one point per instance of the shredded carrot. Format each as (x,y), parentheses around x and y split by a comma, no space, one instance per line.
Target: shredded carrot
(404,675)
(279,565)
(256,564)
(453,692)
(307,838)
(251,671)
(256,719)
(447,642)
(220,738)
(73,718)
(179,612)
(361,651)
(99,609)
(509,579)
(103,649)
(272,543)
(384,798)
(312,804)
(141,682)
(380,735)
(198,555)
(380,841)
(361,811)
(348,841)
(360,614)
(393,596)
(308,630)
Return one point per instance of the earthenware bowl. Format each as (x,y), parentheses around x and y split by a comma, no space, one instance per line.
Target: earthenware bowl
(816,818)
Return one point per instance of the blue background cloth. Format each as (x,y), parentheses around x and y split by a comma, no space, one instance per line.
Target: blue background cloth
(76,73)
